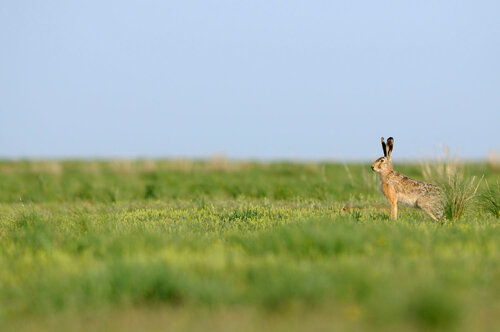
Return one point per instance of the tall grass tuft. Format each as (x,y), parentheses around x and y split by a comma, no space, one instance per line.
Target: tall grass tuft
(491,199)
(459,191)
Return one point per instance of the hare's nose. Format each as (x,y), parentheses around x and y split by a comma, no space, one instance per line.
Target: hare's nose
(373,168)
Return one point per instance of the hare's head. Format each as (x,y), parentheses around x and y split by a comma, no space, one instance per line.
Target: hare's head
(384,163)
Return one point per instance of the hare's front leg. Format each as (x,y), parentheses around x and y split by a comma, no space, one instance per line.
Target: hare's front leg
(394,210)
(391,196)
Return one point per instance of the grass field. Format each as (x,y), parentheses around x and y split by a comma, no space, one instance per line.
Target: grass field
(218,245)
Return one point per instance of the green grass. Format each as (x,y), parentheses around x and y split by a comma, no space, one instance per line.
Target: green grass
(236,246)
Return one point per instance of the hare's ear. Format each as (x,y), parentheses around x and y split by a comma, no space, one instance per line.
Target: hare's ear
(384,147)
(390,146)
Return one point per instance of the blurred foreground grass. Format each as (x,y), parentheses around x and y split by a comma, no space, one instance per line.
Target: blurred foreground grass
(235,246)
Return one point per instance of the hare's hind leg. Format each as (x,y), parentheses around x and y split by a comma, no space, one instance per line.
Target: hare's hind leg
(427,204)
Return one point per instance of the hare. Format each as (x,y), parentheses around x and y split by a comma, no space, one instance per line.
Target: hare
(400,188)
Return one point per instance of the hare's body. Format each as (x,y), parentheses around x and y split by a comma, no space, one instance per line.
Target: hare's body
(400,188)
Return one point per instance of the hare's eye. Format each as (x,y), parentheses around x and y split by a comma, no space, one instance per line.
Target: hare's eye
(382,160)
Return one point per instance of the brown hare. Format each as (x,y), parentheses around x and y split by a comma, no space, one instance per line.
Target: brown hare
(400,188)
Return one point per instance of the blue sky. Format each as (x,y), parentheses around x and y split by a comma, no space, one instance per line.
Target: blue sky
(251,79)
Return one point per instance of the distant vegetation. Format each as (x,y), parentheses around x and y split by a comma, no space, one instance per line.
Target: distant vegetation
(222,245)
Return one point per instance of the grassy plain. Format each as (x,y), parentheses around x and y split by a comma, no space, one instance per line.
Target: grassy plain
(218,245)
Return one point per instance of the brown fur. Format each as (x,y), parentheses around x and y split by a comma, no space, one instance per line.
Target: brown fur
(397,187)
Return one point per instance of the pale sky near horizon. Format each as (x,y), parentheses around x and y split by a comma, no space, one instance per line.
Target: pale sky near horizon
(251,79)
